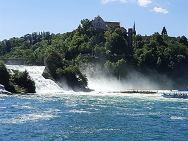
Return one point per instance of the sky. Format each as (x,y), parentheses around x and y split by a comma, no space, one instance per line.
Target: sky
(20,17)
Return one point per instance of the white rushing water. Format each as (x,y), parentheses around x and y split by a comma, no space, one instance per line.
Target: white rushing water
(100,86)
(42,85)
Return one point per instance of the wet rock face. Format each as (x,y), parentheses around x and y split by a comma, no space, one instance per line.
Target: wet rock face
(46,74)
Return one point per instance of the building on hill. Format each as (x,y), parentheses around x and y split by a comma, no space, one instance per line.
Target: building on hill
(98,22)
(114,24)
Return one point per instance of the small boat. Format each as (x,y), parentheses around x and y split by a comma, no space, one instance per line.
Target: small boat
(3,91)
(183,90)
(175,95)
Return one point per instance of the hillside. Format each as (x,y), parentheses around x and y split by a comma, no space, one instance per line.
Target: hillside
(112,50)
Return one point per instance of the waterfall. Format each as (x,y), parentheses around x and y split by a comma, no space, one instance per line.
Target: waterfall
(42,85)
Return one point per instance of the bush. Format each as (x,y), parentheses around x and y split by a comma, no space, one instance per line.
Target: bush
(23,80)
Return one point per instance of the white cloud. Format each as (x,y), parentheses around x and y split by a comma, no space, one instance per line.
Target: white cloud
(123,1)
(144,3)
(160,10)
(107,1)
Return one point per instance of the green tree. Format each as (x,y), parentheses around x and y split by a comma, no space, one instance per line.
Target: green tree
(4,75)
(118,43)
(23,80)
(53,62)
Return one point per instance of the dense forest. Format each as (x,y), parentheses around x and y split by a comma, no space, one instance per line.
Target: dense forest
(66,54)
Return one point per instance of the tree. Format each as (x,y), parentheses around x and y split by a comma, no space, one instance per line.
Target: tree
(53,62)
(4,75)
(118,43)
(157,38)
(85,24)
(23,80)
(183,40)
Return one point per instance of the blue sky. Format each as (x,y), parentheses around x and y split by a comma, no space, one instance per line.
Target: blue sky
(19,17)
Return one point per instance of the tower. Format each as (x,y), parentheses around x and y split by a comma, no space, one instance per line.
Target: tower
(164,32)
(134,30)
(130,33)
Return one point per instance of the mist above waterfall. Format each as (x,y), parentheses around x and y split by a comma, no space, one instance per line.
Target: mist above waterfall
(100,81)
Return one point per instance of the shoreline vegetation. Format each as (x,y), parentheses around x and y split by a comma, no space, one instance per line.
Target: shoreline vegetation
(16,82)
(68,57)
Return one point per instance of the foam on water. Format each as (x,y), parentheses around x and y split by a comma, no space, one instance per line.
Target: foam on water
(104,114)
(178,118)
(22,118)
(94,116)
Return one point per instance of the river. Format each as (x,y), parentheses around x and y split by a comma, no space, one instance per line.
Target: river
(97,115)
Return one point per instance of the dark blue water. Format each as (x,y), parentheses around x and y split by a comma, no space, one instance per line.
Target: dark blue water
(93,116)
